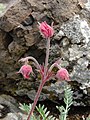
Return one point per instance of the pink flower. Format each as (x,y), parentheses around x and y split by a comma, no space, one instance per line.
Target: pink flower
(46,30)
(62,74)
(25,70)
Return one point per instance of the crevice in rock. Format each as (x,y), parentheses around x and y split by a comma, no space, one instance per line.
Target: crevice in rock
(71,65)
(37,53)
(4,109)
(28,21)
(60,40)
(79,6)
(47,19)
(88,67)
(8,86)
(33,51)
(7,40)
(44,3)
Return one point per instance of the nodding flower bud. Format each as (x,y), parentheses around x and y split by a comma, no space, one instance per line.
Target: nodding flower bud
(25,70)
(62,74)
(46,30)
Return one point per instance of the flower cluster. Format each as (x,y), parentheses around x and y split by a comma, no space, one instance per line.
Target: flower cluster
(62,73)
(47,32)
(45,71)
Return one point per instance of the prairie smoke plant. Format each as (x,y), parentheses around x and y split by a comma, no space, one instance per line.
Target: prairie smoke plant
(45,71)
(25,70)
(62,74)
(46,30)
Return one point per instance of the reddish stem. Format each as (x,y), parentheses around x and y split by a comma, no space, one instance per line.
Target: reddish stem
(47,56)
(36,99)
(43,80)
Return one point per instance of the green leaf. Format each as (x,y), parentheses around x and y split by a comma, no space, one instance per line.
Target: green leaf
(24,107)
(44,113)
(68,100)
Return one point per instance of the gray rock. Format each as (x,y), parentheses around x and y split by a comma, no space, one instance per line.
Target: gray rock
(77,30)
(10,102)
(15,116)
(75,52)
(16,12)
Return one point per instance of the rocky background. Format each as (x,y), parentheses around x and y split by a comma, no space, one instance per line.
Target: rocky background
(20,37)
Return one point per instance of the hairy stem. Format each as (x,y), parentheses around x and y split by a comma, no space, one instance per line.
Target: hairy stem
(36,99)
(30,58)
(43,81)
(54,65)
(47,56)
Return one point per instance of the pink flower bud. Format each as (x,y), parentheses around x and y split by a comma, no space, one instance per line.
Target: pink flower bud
(62,74)
(46,30)
(25,70)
